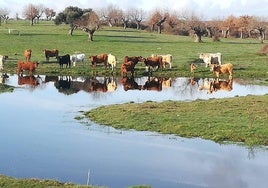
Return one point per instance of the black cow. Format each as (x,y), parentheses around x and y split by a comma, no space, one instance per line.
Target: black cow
(65,59)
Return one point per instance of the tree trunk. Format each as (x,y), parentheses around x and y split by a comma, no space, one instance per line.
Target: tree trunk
(32,21)
(226,32)
(90,33)
(159,29)
(262,34)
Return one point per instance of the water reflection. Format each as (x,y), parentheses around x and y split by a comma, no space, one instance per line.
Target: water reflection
(52,144)
(168,88)
(213,85)
(30,80)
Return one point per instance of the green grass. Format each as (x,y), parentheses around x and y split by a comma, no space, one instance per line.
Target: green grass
(8,182)
(242,53)
(239,119)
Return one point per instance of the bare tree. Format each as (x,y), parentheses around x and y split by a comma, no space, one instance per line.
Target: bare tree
(30,12)
(198,26)
(137,15)
(40,11)
(50,13)
(112,15)
(125,18)
(156,20)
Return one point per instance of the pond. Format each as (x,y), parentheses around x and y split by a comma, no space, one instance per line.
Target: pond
(41,139)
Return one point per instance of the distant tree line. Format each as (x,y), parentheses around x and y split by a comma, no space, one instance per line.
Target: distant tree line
(185,23)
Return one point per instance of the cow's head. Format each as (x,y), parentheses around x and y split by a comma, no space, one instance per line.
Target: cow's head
(35,64)
(213,67)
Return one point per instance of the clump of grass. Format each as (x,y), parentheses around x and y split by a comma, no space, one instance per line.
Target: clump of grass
(223,119)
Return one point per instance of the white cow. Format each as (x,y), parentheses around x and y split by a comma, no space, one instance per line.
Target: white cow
(112,60)
(2,61)
(77,58)
(211,58)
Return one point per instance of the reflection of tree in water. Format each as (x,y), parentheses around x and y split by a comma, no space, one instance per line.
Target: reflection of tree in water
(251,152)
(187,87)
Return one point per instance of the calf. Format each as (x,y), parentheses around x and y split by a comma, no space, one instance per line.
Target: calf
(98,59)
(27,54)
(192,67)
(30,66)
(77,58)
(65,59)
(50,53)
(211,58)
(222,69)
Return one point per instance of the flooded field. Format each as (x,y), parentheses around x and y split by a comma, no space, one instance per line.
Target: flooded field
(41,139)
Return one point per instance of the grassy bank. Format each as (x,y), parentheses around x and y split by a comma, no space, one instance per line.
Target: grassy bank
(239,119)
(8,182)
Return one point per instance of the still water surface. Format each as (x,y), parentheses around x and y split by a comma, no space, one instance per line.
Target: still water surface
(40,138)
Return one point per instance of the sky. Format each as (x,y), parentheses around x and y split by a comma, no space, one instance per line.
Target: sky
(206,9)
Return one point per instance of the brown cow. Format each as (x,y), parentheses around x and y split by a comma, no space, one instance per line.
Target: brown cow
(155,62)
(50,53)
(222,69)
(30,66)
(134,59)
(98,59)
(27,54)
(127,67)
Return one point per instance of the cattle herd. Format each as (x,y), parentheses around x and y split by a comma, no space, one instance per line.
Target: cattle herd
(152,63)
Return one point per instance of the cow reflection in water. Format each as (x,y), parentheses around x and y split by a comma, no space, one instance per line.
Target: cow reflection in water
(64,84)
(223,85)
(70,85)
(216,85)
(3,77)
(102,84)
(166,82)
(129,83)
(153,84)
(28,80)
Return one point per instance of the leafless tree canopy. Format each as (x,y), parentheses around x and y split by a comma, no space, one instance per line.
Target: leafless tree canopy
(182,22)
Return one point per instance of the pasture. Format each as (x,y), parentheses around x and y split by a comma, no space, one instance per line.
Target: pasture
(242,53)
(243,117)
